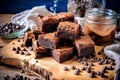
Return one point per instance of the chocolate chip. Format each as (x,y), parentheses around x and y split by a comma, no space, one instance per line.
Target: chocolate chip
(72,67)
(21,77)
(22,53)
(91,64)
(22,71)
(28,54)
(83,68)
(13,78)
(18,48)
(24,49)
(112,63)
(98,73)
(104,69)
(30,48)
(14,49)
(77,71)
(92,74)
(106,61)
(22,45)
(100,62)
(36,61)
(65,69)
(110,68)
(18,40)
(88,70)
(17,52)
(85,63)
(103,75)
(99,53)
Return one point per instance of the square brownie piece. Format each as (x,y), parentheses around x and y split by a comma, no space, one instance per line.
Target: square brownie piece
(49,40)
(28,38)
(85,45)
(65,16)
(47,23)
(62,54)
(40,51)
(68,30)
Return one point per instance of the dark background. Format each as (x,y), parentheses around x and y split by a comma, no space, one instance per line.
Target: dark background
(15,6)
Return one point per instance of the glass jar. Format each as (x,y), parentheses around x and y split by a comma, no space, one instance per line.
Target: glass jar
(100,24)
(78,7)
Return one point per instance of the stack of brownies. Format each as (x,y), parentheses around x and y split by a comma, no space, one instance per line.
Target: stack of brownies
(60,37)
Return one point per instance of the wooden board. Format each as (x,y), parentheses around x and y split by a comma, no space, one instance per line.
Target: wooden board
(51,65)
(10,57)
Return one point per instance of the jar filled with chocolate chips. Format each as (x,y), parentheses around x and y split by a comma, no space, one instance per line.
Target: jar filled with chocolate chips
(12,30)
(79,7)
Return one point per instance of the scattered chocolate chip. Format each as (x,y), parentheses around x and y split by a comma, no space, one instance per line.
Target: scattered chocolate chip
(83,68)
(99,53)
(18,48)
(28,53)
(110,68)
(103,75)
(13,43)
(14,49)
(92,74)
(112,63)
(100,62)
(106,61)
(98,73)
(24,49)
(22,45)
(30,48)
(72,67)
(65,69)
(77,71)
(22,71)
(36,61)
(22,53)
(88,70)
(85,63)
(21,77)
(13,78)
(91,64)
(104,69)
(17,52)
(18,40)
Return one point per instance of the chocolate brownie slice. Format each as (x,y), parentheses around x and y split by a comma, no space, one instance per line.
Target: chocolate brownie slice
(85,45)
(62,54)
(65,16)
(49,40)
(68,30)
(40,51)
(47,23)
(28,38)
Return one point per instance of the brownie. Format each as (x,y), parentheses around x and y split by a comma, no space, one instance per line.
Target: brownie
(28,38)
(40,51)
(65,16)
(68,30)
(62,54)
(84,45)
(49,40)
(47,23)
(36,32)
